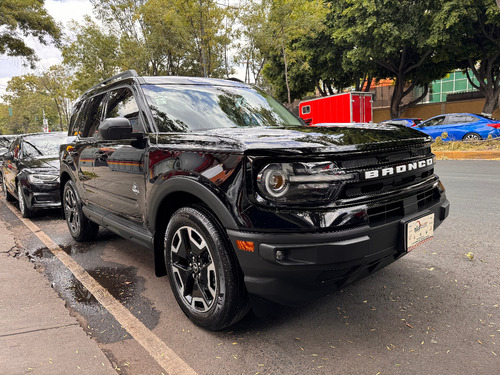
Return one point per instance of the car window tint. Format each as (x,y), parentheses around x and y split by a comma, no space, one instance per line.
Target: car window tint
(121,103)
(91,115)
(459,119)
(434,121)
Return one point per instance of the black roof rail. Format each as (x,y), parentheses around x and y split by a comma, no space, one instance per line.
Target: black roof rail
(116,77)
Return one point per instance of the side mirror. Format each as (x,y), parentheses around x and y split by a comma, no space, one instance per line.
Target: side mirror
(115,128)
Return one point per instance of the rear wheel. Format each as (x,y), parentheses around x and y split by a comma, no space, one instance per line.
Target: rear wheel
(81,228)
(25,211)
(204,275)
(471,137)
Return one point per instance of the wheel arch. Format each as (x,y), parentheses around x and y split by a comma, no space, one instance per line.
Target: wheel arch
(177,193)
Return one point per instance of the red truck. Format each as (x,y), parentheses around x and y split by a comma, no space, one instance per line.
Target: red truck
(346,107)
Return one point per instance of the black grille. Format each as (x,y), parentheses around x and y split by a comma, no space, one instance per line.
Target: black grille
(385,213)
(358,165)
(427,198)
(395,211)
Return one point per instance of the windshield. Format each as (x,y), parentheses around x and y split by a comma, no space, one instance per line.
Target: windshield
(42,145)
(182,108)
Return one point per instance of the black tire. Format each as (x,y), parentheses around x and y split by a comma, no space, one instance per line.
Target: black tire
(8,196)
(81,228)
(26,212)
(471,137)
(204,274)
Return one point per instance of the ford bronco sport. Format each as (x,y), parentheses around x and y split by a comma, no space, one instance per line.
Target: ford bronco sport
(241,203)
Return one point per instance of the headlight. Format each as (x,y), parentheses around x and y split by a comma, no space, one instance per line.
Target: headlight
(42,178)
(300,182)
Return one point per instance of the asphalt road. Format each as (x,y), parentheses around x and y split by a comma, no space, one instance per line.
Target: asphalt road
(435,311)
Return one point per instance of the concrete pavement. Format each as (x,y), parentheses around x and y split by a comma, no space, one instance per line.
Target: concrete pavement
(37,333)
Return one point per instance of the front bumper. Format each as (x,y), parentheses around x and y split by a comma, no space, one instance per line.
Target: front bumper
(40,197)
(294,268)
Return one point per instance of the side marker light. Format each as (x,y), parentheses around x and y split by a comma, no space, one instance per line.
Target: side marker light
(245,245)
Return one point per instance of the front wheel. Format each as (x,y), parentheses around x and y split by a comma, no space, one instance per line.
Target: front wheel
(25,211)
(204,275)
(471,137)
(8,196)
(81,228)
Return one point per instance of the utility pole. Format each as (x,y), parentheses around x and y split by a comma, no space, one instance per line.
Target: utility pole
(45,123)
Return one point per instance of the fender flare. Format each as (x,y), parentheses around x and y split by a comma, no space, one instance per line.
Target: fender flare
(197,189)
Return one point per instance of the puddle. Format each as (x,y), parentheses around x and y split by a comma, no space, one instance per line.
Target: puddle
(117,281)
(42,253)
(124,285)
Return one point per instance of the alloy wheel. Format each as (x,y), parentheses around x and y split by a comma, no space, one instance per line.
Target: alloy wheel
(71,211)
(194,272)
(22,204)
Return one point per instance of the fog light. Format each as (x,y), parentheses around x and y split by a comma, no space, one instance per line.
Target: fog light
(280,255)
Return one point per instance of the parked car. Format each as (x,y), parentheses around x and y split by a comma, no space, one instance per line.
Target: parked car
(410,122)
(240,202)
(31,172)
(461,126)
(5,141)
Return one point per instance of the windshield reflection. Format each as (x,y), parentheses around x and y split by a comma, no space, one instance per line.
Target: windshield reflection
(180,108)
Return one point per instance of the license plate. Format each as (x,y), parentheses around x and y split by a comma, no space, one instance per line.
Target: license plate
(419,231)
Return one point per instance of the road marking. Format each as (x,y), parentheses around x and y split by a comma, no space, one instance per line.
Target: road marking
(160,352)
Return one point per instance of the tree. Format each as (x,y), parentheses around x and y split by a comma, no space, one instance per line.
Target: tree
(254,48)
(20,18)
(289,20)
(93,54)
(476,47)
(170,36)
(55,83)
(401,37)
(28,104)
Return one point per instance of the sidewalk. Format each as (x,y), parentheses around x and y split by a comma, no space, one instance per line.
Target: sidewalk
(37,334)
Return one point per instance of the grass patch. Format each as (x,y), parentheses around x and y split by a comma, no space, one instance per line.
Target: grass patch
(483,145)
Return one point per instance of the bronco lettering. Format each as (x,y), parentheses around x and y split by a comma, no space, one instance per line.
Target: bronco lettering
(388,171)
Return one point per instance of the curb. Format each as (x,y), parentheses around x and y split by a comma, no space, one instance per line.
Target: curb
(470,155)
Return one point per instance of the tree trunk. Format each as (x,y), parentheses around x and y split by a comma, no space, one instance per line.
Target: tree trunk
(491,102)
(396,98)
(286,79)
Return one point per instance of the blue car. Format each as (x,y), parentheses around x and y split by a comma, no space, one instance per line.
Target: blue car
(460,126)
(409,122)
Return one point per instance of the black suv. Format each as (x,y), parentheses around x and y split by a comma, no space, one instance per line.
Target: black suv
(242,203)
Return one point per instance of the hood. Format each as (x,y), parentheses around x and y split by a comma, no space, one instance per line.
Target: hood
(45,163)
(324,138)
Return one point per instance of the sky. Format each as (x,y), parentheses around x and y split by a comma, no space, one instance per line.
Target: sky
(62,11)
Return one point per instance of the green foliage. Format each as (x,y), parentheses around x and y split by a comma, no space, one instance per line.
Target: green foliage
(31,98)
(92,53)
(254,47)
(172,37)
(290,20)
(20,18)
(401,37)
(475,47)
